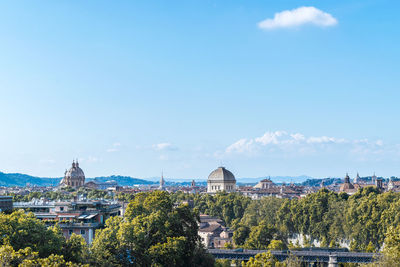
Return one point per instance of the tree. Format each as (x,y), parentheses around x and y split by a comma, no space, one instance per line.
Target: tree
(261,236)
(240,235)
(265,259)
(28,258)
(392,244)
(277,245)
(76,249)
(106,247)
(22,230)
(152,233)
(170,253)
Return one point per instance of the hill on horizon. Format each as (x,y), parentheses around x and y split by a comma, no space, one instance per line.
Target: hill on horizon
(19,179)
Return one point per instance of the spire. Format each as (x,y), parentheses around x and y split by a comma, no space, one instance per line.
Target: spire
(162,182)
(347,178)
(357,178)
(77,163)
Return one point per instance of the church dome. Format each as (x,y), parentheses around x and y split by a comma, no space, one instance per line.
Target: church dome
(75,171)
(221,174)
(74,176)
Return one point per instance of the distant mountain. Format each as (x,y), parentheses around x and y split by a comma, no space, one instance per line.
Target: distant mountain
(122,180)
(18,179)
(317,182)
(276,179)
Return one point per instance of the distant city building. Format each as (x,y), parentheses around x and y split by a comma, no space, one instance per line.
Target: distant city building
(6,203)
(95,184)
(221,180)
(82,217)
(264,184)
(373,179)
(379,183)
(213,233)
(74,177)
(162,182)
(393,185)
(347,187)
(356,180)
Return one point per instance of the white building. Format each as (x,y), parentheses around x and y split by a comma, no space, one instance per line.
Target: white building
(265,184)
(221,180)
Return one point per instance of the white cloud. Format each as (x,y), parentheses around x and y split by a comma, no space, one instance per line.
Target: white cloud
(297,143)
(164,146)
(379,143)
(243,145)
(114,148)
(270,137)
(298,17)
(324,140)
(89,159)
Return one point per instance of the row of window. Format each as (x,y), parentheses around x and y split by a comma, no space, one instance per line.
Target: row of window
(218,187)
(75,184)
(83,232)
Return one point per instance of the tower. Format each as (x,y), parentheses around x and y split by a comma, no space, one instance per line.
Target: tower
(357,178)
(162,182)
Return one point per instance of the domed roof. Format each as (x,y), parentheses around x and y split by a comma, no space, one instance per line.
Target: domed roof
(346,186)
(221,174)
(74,171)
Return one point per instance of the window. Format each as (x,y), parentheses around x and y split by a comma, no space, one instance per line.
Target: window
(70,232)
(83,232)
(61,208)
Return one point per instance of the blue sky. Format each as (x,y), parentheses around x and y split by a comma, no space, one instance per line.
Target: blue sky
(136,87)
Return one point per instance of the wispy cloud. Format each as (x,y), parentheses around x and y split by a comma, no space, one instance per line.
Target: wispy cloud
(298,17)
(164,147)
(114,148)
(90,159)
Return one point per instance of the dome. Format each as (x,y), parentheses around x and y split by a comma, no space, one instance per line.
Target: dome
(74,176)
(221,174)
(346,186)
(74,171)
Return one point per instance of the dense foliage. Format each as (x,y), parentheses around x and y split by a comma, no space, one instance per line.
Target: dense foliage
(152,233)
(325,218)
(158,230)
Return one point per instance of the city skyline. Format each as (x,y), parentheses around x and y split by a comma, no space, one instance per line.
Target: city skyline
(279,89)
